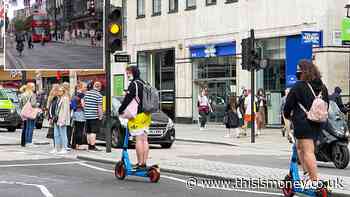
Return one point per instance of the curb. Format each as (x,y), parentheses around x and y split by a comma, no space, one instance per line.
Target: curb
(206,142)
(188,173)
(18,144)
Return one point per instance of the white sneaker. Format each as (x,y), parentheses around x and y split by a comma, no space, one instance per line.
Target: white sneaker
(53,151)
(64,151)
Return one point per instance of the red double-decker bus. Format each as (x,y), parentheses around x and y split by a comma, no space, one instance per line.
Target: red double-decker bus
(39,25)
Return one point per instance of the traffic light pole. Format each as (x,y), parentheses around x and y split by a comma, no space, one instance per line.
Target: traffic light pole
(252,77)
(108,134)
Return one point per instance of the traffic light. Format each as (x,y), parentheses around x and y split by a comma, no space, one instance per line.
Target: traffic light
(115,30)
(247,50)
(92,10)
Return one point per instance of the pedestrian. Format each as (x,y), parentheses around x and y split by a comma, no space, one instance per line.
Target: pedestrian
(99,38)
(286,123)
(66,36)
(73,37)
(92,37)
(248,116)
(93,114)
(61,121)
(29,40)
(306,131)
(204,107)
(231,119)
(22,89)
(77,105)
(139,125)
(336,97)
(43,38)
(261,107)
(242,109)
(28,124)
(66,87)
(51,105)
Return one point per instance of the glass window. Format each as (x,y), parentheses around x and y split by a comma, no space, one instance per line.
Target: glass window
(157,7)
(215,67)
(210,2)
(190,4)
(39,17)
(140,8)
(173,5)
(231,1)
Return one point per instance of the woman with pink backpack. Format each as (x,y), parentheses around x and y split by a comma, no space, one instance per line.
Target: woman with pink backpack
(307,107)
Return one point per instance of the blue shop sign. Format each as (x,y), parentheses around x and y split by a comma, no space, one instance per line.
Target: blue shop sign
(315,38)
(213,50)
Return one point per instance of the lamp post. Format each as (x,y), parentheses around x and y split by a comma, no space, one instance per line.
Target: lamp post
(55,16)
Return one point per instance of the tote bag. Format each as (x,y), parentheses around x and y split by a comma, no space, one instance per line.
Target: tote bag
(131,110)
(28,112)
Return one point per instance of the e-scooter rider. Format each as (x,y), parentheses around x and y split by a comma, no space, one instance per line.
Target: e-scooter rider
(305,130)
(139,125)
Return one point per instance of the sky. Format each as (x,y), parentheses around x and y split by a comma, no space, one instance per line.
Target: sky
(17,7)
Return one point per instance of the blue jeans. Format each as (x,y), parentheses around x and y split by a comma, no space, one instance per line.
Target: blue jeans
(60,136)
(29,128)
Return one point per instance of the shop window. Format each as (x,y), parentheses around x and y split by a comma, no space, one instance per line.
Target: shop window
(231,1)
(190,4)
(157,7)
(210,2)
(140,8)
(173,6)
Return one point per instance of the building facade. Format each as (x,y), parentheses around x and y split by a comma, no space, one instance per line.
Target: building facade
(183,46)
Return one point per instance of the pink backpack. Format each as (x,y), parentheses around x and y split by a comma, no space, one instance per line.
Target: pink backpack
(319,108)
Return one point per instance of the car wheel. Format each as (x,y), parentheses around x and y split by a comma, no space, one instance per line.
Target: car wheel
(11,129)
(166,145)
(117,138)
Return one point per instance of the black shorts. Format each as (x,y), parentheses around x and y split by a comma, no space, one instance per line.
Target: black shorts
(93,126)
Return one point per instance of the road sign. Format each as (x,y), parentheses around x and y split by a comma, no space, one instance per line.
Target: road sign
(122,58)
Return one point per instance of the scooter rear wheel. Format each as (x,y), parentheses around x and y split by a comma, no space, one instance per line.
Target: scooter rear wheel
(154,174)
(323,192)
(288,189)
(119,171)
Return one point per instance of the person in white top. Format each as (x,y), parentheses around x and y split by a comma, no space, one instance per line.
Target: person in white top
(248,117)
(204,108)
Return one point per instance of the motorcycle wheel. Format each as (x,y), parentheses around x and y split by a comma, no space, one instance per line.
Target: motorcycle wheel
(340,156)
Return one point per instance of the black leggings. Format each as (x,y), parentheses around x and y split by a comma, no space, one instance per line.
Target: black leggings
(78,133)
(203,119)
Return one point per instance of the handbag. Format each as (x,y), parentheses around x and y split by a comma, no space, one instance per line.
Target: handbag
(131,110)
(29,112)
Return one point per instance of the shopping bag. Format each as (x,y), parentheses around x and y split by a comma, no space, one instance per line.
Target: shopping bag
(131,110)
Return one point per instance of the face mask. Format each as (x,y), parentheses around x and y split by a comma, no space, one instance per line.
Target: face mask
(131,78)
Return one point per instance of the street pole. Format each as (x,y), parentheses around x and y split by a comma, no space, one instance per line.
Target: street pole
(108,79)
(55,13)
(24,78)
(252,77)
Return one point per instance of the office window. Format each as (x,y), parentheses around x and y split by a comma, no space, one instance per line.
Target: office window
(140,8)
(231,1)
(157,7)
(173,6)
(190,4)
(210,2)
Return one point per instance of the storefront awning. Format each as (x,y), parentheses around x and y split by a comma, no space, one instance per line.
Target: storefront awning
(213,50)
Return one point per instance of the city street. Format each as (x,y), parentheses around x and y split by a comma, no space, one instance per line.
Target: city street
(32,172)
(53,55)
(242,160)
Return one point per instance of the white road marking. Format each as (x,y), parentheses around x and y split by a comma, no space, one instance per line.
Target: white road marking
(185,181)
(42,188)
(41,164)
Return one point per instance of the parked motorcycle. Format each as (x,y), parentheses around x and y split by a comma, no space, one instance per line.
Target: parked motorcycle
(332,145)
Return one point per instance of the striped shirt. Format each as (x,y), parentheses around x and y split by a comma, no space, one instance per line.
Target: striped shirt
(92,99)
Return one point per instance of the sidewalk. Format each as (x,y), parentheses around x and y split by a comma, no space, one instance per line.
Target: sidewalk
(80,42)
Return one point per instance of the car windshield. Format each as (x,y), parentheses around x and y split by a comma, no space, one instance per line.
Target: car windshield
(5,94)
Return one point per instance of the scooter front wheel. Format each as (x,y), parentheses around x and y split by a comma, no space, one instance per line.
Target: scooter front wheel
(119,170)
(288,188)
(154,174)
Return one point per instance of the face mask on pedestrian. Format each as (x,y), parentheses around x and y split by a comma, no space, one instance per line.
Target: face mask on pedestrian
(130,77)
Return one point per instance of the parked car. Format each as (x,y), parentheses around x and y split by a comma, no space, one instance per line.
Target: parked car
(9,110)
(162,129)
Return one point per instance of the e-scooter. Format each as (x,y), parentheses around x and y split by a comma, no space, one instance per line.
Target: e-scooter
(124,167)
(294,185)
